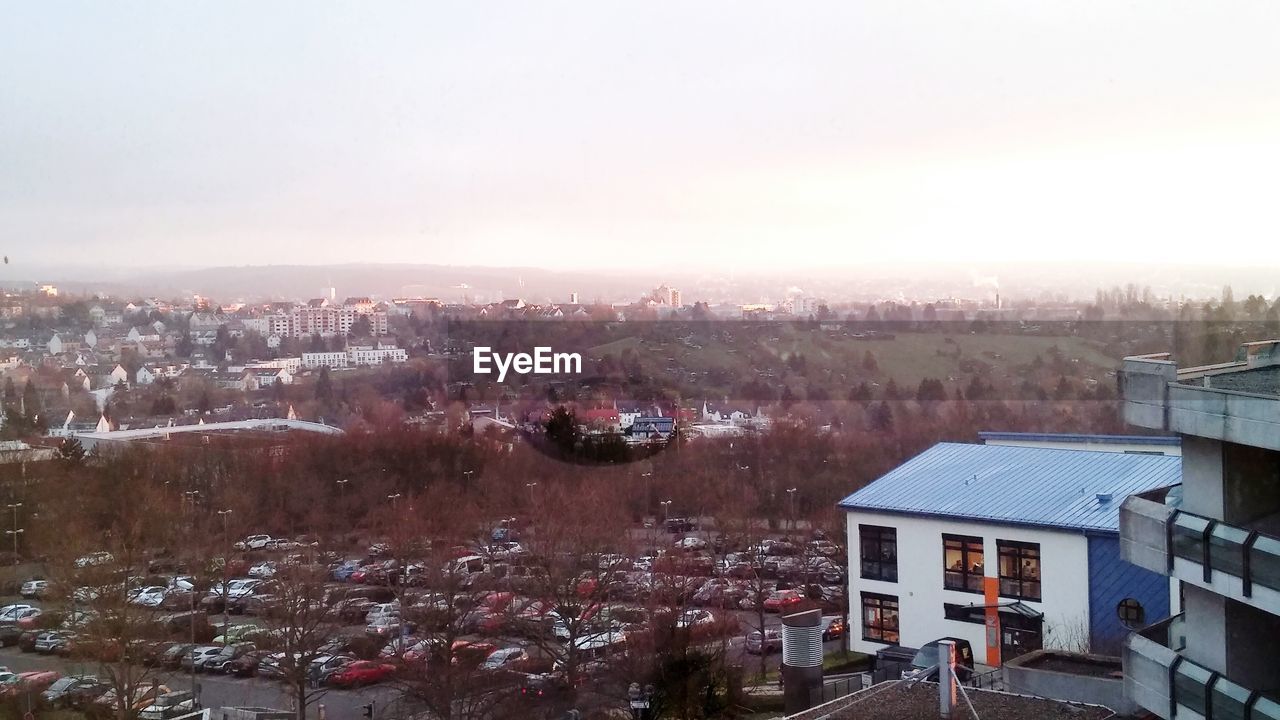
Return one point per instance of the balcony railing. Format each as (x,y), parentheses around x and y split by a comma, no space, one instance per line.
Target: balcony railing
(1162,680)
(1237,562)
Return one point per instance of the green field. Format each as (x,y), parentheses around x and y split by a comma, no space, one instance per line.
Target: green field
(835,359)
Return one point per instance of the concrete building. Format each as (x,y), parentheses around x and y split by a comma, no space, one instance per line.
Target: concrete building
(1218,535)
(1011,548)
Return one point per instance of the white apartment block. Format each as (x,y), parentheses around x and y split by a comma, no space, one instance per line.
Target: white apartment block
(366,355)
(355,356)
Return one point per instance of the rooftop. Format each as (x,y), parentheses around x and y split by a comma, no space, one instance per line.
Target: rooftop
(903,701)
(1055,488)
(1083,438)
(1259,381)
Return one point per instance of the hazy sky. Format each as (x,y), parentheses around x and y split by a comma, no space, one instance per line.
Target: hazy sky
(599,134)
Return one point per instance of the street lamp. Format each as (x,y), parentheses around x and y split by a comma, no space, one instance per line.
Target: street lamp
(666,505)
(530,486)
(190,495)
(342,485)
(791,498)
(226,568)
(16,531)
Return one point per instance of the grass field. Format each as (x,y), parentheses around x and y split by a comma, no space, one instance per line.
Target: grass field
(836,359)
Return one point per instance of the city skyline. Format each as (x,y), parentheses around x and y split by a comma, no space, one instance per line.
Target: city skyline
(723,137)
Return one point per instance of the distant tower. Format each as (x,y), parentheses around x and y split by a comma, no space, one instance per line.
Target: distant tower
(573,298)
(997,299)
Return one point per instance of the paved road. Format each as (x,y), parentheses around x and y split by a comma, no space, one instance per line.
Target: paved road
(218,690)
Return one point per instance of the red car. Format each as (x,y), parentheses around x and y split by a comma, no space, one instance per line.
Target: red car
(361,672)
(783,600)
(34,681)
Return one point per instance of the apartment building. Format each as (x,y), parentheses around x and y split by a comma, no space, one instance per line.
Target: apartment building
(1013,548)
(1218,535)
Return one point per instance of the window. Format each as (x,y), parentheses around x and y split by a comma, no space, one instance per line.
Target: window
(879,552)
(880,618)
(962,563)
(1019,569)
(1131,613)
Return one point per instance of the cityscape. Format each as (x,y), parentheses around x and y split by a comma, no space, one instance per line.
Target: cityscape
(573,361)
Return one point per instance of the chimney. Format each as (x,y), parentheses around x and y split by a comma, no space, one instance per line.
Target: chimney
(801,659)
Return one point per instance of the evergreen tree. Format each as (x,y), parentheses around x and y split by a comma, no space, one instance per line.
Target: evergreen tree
(324,386)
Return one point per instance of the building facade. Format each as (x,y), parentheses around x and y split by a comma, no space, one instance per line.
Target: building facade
(1011,548)
(1218,536)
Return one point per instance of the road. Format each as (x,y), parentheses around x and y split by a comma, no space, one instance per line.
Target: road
(219,690)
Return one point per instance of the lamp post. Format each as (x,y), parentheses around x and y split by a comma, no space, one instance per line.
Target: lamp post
(666,506)
(16,531)
(342,485)
(226,568)
(530,486)
(791,498)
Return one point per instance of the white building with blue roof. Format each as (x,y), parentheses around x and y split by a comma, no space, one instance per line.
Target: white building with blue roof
(1011,545)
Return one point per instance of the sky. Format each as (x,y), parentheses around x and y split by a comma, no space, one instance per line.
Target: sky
(728,134)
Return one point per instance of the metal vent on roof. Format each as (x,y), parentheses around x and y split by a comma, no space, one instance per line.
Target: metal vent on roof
(1104,498)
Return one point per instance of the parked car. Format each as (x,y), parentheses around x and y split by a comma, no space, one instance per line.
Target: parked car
(33,681)
(362,672)
(144,696)
(33,589)
(247,665)
(169,705)
(924,666)
(172,658)
(507,658)
(763,644)
(196,657)
(94,559)
(253,542)
(219,662)
(325,666)
(832,627)
(49,642)
(13,613)
(263,570)
(74,691)
(150,596)
(783,600)
(387,625)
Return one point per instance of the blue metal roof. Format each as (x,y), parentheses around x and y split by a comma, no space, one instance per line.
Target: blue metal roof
(1053,488)
(1076,437)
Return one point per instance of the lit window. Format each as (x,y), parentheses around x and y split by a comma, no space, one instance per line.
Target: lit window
(962,563)
(1019,569)
(880,618)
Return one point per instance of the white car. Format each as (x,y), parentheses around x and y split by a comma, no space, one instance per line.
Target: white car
(236,588)
(691,543)
(150,596)
(14,613)
(253,542)
(388,610)
(32,589)
(101,557)
(182,582)
(263,570)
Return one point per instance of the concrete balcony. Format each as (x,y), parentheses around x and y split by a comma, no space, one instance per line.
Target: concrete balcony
(1240,563)
(1236,402)
(1161,679)
(1144,531)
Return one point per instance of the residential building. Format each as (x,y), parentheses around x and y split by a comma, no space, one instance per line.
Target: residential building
(1218,536)
(367,355)
(312,360)
(1011,548)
